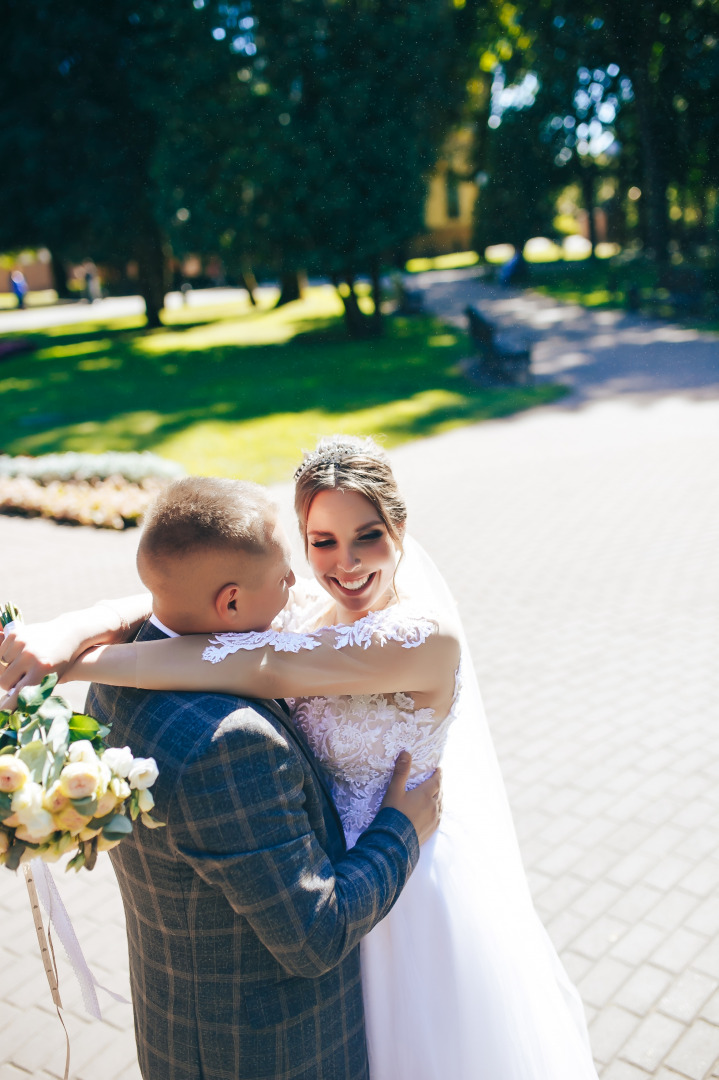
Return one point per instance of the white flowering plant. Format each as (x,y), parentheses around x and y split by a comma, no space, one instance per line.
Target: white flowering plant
(62,789)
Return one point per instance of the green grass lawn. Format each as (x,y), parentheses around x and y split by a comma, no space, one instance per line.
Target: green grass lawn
(240,392)
(600,284)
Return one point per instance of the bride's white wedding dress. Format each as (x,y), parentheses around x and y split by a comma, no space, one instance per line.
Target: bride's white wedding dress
(460,980)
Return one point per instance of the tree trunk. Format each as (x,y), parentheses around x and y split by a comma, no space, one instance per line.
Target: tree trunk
(358,325)
(376,299)
(654,182)
(248,281)
(586,176)
(291,287)
(59,273)
(152,284)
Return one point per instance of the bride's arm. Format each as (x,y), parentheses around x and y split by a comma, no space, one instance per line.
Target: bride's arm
(383,667)
(34,650)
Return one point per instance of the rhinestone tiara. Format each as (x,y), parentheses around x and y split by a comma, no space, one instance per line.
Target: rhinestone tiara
(326,455)
(332,451)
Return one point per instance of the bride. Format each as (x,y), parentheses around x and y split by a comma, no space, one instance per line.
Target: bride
(460,979)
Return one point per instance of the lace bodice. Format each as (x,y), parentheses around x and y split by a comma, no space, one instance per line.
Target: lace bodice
(356,737)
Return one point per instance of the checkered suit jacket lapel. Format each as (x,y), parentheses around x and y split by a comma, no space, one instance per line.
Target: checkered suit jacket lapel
(280,710)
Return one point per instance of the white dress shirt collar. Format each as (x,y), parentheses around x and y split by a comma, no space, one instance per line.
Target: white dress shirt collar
(161,626)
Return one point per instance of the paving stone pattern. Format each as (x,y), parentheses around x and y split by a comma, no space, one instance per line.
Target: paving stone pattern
(581,541)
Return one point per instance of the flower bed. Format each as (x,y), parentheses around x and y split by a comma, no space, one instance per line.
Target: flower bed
(110,491)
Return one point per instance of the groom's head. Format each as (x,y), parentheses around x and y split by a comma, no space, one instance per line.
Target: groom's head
(214,556)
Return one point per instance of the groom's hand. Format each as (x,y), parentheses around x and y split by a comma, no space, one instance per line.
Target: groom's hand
(422,805)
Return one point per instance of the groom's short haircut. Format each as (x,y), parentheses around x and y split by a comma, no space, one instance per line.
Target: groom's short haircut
(205,512)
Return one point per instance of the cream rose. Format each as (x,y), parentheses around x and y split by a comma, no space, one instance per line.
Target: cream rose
(119,759)
(70,820)
(36,828)
(54,800)
(14,773)
(143,773)
(106,803)
(79,779)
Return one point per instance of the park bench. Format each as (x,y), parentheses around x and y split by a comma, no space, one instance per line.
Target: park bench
(680,288)
(495,362)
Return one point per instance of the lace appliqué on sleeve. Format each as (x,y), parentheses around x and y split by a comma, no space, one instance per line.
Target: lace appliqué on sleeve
(223,645)
(390,624)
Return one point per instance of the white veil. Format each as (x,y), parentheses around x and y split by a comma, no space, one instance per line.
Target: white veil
(518,1001)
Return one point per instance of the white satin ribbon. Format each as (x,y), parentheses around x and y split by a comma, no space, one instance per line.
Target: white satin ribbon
(58,916)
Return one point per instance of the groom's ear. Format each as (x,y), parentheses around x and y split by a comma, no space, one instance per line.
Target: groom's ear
(226,602)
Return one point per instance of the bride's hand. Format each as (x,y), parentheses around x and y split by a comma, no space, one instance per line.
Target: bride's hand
(29,653)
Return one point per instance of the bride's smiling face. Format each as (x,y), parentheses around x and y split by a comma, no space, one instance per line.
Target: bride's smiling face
(350,551)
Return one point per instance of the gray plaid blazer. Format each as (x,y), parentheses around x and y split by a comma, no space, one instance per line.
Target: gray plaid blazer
(244,915)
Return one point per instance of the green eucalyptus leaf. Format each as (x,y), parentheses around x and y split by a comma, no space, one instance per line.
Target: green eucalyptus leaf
(86,807)
(101,822)
(5,718)
(54,708)
(9,748)
(48,684)
(56,763)
(14,854)
(34,754)
(30,699)
(118,827)
(58,737)
(5,804)
(27,733)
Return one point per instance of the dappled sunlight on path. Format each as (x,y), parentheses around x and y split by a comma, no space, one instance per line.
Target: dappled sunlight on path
(598,354)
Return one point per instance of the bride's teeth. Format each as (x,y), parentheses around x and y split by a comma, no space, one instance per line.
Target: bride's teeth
(354,585)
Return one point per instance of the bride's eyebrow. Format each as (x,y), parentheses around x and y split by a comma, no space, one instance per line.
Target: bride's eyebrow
(370,525)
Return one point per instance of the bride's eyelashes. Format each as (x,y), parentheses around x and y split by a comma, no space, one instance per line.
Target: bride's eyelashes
(367,538)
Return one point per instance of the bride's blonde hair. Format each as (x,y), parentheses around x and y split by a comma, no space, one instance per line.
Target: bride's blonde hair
(351,463)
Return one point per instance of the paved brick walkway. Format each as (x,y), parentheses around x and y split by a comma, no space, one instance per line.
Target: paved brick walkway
(581,540)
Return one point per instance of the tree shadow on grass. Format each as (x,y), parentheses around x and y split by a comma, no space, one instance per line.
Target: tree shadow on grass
(118,393)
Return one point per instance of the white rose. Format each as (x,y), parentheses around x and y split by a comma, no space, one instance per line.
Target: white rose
(119,759)
(105,778)
(143,774)
(27,801)
(119,787)
(82,750)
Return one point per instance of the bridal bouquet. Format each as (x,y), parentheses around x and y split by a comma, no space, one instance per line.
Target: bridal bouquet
(61,788)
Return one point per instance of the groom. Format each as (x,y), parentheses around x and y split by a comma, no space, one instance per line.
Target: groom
(245,912)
